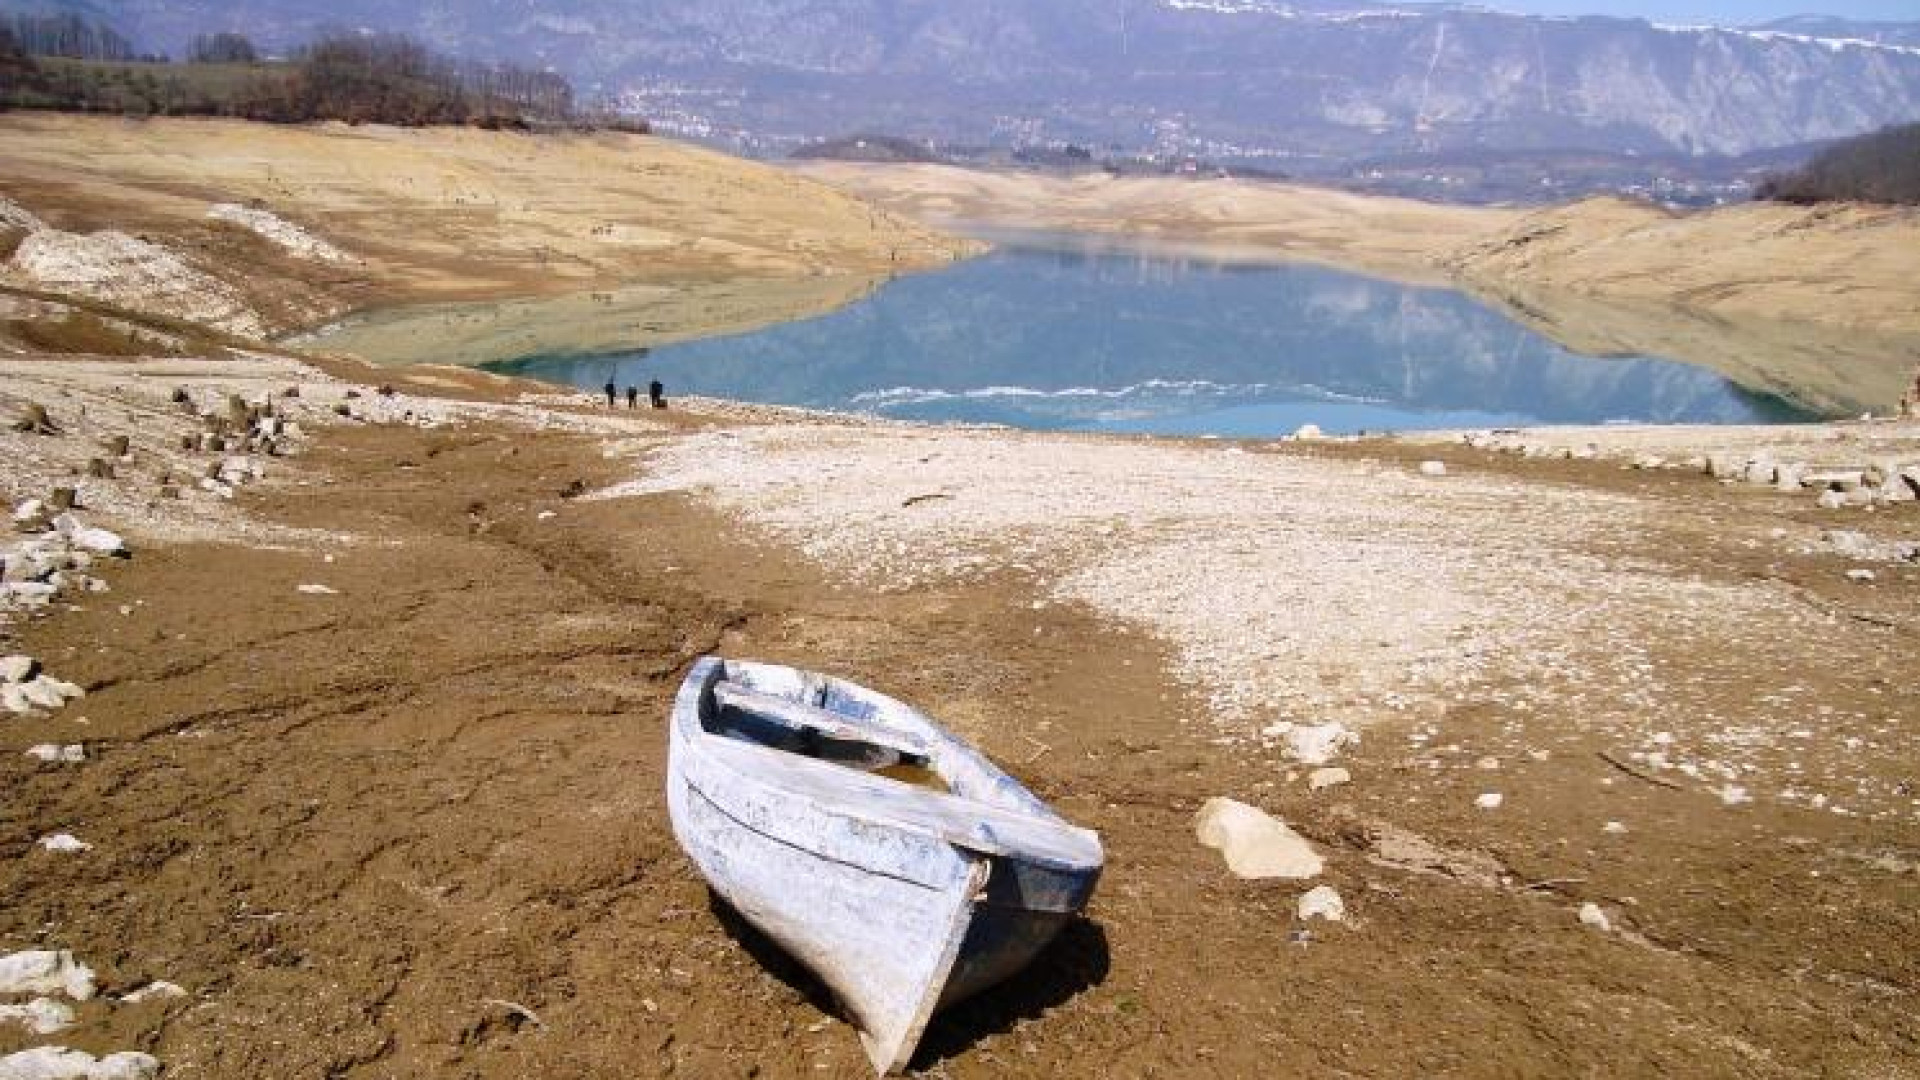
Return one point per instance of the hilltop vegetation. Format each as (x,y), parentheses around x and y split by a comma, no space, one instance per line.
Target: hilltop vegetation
(63,63)
(1883,167)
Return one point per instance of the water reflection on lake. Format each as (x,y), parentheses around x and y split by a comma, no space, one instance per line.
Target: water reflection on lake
(1044,334)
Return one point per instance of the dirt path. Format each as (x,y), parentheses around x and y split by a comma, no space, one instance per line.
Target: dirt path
(416,826)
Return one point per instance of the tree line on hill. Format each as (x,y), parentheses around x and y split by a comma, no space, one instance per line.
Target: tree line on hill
(64,63)
(1883,167)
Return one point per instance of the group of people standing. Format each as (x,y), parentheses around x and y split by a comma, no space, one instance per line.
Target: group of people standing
(656,394)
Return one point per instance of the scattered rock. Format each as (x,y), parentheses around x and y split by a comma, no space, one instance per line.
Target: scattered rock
(1321,902)
(312,589)
(1433,468)
(269,226)
(1861,575)
(55,754)
(1613,827)
(45,971)
(87,538)
(1488,763)
(64,842)
(34,420)
(1592,915)
(1490,800)
(1316,744)
(42,1016)
(1255,844)
(1734,795)
(1308,432)
(1835,479)
(1320,779)
(1832,500)
(18,669)
(157,990)
(60,1063)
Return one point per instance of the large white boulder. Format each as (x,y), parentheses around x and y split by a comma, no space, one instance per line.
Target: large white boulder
(1256,844)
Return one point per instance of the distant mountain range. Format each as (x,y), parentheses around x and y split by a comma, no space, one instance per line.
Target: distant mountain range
(1294,83)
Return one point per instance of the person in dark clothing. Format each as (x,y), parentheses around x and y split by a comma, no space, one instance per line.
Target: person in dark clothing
(610,392)
(633,397)
(657,393)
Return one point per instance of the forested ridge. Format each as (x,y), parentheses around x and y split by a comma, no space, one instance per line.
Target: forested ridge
(65,63)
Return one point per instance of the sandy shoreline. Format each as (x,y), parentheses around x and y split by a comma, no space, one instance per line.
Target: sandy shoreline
(351,821)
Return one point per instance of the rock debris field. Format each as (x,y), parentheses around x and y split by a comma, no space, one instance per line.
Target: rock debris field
(161,448)
(1383,663)
(1370,589)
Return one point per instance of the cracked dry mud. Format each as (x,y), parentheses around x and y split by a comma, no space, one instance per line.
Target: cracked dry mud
(417,827)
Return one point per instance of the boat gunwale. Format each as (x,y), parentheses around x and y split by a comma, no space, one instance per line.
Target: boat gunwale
(838,792)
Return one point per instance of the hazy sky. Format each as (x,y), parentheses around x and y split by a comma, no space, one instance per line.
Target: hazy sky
(1724,12)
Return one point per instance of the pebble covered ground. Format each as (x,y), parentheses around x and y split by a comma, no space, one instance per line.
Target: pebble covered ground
(1357,588)
(358,772)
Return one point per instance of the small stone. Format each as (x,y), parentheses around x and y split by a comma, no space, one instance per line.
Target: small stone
(1433,468)
(45,971)
(1316,744)
(1592,915)
(1321,902)
(1760,470)
(1790,476)
(1320,779)
(1860,575)
(1835,479)
(1490,800)
(43,693)
(1734,795)
(155,990)
(42,1016)
(98,541)
(60,1063)
(1613,827)
(1832,500)
(18,669)
(1255,844)
(1489,763)
(1307,432)
(65,842)
(312,589)
(55,754)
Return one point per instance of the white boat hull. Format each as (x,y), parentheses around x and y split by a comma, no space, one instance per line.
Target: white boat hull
(901,900)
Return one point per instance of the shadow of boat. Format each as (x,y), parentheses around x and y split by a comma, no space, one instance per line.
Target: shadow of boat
(1075,961)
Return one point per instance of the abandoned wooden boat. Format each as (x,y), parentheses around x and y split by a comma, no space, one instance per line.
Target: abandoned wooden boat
(890,857)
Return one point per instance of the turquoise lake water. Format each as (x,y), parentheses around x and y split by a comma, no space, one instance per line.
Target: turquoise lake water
(1042,333)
